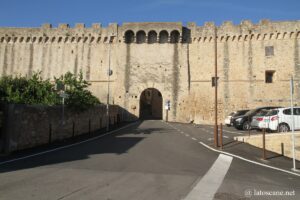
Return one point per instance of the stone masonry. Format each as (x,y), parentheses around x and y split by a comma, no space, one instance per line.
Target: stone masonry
(176,60)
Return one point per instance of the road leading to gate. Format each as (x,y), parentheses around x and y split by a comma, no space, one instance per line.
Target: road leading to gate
(148,160)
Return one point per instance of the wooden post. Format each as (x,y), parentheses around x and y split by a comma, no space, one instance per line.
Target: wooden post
(221,136)
(264,144)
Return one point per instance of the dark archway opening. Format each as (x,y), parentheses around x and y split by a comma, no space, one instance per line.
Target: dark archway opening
(140,37)
(163,37)
(175,36)
(151,104)
(129,36)
(152,37)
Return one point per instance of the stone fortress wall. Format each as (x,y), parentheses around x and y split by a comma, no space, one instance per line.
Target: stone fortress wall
(177,60)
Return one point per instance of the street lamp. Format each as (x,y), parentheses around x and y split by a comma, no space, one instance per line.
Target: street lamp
(109,73)
(216,91)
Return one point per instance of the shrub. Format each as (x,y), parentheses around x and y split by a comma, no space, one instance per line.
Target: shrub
(35,90)
(79,97)
(23,90)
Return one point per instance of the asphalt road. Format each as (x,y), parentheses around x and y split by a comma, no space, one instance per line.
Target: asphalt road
(148,160)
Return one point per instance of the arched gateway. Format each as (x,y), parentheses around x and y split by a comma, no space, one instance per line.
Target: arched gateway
(151,104)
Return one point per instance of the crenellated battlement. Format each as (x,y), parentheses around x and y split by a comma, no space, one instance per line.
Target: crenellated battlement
(152,32)
(264,30)
(62,34)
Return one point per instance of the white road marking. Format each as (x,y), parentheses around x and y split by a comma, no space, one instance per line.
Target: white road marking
(182,132)
(67,146)
(225,136)
(247,160)
(210,139)
(233,132)
(211,181)
(194,138)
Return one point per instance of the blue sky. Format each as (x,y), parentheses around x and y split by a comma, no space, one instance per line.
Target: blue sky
(33,13)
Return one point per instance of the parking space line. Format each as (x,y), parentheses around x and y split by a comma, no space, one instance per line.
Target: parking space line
(194,138)
(233,132)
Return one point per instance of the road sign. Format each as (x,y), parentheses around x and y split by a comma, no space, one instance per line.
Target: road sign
(167,105)
(64,95)
(60,86)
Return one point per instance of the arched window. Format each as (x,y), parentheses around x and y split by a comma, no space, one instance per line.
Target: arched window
(175,36)
(152,37)
(140,37)
(129,36)
(163,37)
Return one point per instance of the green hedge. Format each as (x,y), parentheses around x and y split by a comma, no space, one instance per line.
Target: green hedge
(35,90)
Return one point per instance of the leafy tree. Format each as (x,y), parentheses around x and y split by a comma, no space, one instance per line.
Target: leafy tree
(25,90)
(35,90)
(79,97)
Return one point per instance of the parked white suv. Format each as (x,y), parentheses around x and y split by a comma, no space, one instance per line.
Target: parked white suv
(280,119)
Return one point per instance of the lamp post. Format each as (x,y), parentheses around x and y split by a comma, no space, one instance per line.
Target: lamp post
(109,73)
(216,91)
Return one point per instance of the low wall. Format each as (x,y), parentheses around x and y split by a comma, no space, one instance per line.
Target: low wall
(27,126)
(280,143)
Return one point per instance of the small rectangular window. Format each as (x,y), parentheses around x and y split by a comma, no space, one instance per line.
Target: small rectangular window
(269,51)
(269,76)
(214,81)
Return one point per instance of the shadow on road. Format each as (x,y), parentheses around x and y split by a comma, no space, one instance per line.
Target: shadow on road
(115,143)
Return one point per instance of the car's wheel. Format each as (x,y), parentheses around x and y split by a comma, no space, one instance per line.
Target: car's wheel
(228,125)
(283,128)
(246,125)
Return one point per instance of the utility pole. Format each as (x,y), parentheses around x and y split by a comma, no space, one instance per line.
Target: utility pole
(293,123)
(216,91)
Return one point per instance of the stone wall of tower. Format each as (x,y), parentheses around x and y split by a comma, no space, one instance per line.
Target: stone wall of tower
(181,70)
(242,64)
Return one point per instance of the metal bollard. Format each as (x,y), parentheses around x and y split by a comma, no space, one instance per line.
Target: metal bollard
(264,144)
(216,139)
(221,136)
(249,129)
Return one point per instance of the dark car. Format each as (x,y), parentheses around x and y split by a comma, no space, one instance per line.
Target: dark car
(237,114)
(243,122)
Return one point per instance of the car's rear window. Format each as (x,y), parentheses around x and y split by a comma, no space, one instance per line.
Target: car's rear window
(241,112)
(272,112)
(231,114)
(262,113)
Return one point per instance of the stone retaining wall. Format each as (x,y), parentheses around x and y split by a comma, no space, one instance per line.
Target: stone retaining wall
(27,126)
(280,143)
